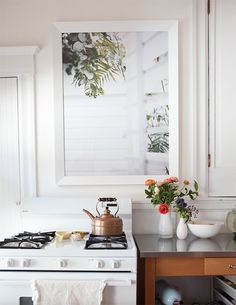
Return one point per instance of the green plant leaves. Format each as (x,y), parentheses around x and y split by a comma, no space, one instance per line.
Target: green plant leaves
(195,185)
(159,142)
(93,59)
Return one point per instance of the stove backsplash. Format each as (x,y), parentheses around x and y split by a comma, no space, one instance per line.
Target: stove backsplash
(67,215)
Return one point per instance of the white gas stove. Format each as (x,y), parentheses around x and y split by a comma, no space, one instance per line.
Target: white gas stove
(68,255)
(69,259)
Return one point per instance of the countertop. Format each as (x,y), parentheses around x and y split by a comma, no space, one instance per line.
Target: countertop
(151,245)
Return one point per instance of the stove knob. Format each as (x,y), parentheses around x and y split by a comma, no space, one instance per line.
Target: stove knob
(115,264)
(25,263)
(99,263)
(62,263)
(10,262)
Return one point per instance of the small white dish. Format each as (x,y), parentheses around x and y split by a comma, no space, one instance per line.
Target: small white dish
(205,228)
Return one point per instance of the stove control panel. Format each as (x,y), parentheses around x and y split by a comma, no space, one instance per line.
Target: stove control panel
(113,264)
(68,263)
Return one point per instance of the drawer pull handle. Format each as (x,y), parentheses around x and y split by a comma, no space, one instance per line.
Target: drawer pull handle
(231,266)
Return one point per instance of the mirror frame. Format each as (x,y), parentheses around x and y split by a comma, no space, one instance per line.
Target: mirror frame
(116,26)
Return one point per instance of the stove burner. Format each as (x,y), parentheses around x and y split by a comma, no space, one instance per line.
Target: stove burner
(106,242)
(27,240)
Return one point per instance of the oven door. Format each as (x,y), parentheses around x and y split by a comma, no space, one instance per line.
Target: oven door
(15,286)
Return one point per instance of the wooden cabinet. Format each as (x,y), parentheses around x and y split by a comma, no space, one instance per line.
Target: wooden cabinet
(180,266)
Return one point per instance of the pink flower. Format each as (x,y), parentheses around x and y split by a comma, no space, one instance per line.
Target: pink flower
(174,179)
(160,183)
(163,208)
(167,180)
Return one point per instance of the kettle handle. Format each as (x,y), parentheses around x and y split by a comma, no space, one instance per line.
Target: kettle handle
(102,200)
(114,205)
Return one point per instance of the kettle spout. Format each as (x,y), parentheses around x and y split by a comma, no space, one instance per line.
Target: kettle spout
(90,215)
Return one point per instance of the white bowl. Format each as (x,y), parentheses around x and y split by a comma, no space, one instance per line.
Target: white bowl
(205,228)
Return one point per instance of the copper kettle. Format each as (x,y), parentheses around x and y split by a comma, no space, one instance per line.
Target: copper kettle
(106,224)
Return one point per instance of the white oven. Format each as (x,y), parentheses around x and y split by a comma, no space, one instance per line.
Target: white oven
(15,290)
(69,260)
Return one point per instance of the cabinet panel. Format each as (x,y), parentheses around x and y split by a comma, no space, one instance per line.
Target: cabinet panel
(220,266)
(222,108)
(179,266)
(9,155)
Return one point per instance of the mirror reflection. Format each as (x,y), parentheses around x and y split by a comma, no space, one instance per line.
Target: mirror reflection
(116,104)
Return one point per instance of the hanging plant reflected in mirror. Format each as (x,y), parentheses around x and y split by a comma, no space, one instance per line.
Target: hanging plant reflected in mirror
(92,59)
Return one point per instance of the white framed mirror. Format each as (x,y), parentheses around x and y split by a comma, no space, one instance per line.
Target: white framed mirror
(116,101)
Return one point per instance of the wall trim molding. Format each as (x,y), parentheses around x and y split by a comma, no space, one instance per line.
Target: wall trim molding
(24,50)
(200,93)
(78,203)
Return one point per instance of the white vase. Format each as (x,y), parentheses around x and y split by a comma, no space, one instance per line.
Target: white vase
(165,226)
(182,229)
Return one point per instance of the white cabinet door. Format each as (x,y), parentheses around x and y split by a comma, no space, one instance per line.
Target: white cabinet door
(9,157)
(222,108)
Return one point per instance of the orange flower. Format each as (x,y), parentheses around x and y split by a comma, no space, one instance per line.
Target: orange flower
(163,208)
(149,182)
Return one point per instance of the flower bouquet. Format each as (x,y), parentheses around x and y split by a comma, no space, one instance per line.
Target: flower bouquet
(172,193)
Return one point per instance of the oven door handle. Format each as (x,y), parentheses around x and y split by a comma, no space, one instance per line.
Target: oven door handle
(118,282)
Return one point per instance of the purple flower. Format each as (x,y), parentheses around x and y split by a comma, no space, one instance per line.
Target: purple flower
(181,203)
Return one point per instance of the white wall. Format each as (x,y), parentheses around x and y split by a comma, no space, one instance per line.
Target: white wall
(27,22)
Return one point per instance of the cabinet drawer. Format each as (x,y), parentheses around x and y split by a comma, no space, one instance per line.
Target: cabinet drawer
(179,266)
(220,266)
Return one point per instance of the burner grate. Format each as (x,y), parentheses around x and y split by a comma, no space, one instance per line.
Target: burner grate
(27,240)
(106,242)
